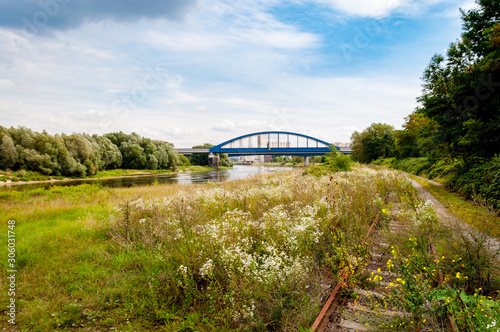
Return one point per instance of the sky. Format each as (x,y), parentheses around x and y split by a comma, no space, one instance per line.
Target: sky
(205,71)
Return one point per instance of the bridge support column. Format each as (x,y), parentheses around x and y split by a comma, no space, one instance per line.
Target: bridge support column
(306,161)
(213,160)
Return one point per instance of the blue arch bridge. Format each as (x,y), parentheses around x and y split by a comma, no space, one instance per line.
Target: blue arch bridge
(270,143)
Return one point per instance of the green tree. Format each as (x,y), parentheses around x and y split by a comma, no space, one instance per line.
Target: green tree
(201,159)
(376,141)
(173,157)
(277,159)
(8,153)
(336,161)
(152,162)
(133,155)
(184,161)
(418,137)
(81,154)
(89,167)
(79,147)
(462,89)
(110,155)
(137,151)
(37,162)
(66,164)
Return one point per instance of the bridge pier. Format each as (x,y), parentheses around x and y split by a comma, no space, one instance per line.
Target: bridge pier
(306,161)
(213,160)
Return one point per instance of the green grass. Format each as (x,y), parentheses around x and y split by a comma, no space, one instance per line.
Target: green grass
(468,211)
(126,172)
(195,168)
(26,176)
(460,282)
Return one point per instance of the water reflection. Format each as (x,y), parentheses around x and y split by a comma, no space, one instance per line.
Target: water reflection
(238,172)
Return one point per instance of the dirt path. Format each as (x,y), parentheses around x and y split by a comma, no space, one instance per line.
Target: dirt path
(446,217)
(450,220)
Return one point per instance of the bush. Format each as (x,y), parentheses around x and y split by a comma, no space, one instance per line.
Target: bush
(184,161)
(480,182)
(341,162)
(334,162)
(443,168)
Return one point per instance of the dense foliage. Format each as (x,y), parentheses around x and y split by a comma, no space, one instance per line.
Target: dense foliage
(461,90)
(455,131)
(333,161)
(374,142)
(459,115)
(202,158)
(81,154)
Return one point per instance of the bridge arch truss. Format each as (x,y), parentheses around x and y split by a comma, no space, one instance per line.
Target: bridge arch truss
(274,143)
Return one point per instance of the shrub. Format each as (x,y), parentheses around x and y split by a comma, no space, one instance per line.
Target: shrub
(481,182)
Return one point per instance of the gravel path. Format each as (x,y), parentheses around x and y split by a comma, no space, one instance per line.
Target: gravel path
(450,220)
(446,217)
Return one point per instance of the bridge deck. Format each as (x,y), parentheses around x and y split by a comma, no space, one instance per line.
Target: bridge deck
(272,151)
(188,151)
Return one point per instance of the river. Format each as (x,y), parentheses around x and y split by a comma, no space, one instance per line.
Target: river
(238,172)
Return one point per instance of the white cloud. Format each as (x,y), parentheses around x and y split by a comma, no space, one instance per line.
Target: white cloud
(381,8)
(5,83)
(200,108)
(468,5)
(186,41)
(280,39)
(370,8)
(225,125)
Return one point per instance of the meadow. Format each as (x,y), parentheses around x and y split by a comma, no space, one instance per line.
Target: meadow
(250,255)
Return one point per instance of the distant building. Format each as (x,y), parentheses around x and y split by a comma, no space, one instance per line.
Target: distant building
(342,145)
(252,159)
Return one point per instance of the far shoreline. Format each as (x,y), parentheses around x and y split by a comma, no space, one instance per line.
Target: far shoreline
(139,173)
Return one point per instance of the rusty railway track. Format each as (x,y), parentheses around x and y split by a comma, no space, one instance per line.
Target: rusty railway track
(331,304)
(323,319)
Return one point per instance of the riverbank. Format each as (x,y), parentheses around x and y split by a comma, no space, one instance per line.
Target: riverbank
(24,177)
(284,164)
(279,164)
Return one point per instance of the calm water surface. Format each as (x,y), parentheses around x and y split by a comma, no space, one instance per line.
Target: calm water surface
(238,172)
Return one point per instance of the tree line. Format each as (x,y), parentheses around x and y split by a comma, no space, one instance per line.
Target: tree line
(454,133)
(202,158)
(81,154)
(459,110)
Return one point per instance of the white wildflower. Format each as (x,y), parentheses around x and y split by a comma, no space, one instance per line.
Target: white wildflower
(183,269)
(207,268)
